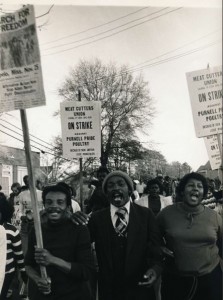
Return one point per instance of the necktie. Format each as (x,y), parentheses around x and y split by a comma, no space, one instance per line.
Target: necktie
(121,223)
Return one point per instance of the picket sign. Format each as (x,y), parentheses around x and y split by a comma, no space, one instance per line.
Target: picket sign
(220,170)
(205,91)
(21,84)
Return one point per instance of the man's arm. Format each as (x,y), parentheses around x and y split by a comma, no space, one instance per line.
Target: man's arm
(44,258)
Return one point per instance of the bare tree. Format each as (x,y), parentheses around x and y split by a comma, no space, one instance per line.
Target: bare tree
(125,100)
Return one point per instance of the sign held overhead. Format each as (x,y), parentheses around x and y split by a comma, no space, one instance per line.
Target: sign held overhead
(212,146)
(205,89)
(81,129)
(21,83)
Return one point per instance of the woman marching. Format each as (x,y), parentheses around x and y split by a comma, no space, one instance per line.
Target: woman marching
(193,234)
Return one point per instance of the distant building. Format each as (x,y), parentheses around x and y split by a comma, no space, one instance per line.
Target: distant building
(13,166)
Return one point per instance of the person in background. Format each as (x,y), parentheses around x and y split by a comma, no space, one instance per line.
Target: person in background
(14,200)
(210,200)
(66,254)
(74,204)
(140,188)
(3,245)
(153,199)
(97,200)
(39,185)
(1,193)
(25,207)
(16,189)
(193,238)
(14,256)
(26,183)
(159,177)
(213,196)
(135,195)
(127,243)
(167,188)
(174,185)
(219,199)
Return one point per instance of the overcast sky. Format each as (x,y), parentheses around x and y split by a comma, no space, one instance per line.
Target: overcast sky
(177,39)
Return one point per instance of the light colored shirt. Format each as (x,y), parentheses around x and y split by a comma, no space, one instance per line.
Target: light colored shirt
(75,206)
(113,210)
(25,201)
(140,188)
(2,255)
(136,196)
(165,201)
(16,218)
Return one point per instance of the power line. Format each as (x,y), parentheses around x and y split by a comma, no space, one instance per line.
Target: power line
(176,56)
(103,32)
(22,135)
(112,33)
(46,12)
(6,11)
(21,140)
(43,152)
(192,42)
(29,134)
(89,29)
(133,69)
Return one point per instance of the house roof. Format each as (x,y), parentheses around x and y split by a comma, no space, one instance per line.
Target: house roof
(207,166)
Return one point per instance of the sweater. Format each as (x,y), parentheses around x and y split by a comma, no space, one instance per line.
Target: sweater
(193,234)
(14,256)
(72,244)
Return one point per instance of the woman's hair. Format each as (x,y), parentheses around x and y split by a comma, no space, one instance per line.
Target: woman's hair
(59,187)
(6,210)
(152,182)
(183,181)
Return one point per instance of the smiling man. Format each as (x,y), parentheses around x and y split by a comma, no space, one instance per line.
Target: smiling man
(66,254)
(127,243)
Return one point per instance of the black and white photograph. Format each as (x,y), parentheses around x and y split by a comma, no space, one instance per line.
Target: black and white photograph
(111,169)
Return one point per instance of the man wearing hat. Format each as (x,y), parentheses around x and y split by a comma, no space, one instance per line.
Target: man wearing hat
(127,243)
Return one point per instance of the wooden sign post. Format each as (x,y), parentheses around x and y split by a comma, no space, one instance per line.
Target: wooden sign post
(36,215)
(81,132)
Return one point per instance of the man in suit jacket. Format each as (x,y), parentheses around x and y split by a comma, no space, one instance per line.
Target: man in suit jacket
(128,249)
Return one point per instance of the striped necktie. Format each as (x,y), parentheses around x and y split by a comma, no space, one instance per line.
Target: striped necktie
(121,223)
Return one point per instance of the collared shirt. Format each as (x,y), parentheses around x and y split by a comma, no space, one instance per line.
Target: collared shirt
(113,210)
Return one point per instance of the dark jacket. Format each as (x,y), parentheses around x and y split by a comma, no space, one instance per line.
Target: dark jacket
(142,251)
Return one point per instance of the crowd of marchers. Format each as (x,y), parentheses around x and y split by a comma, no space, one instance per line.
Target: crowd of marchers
(159,240)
